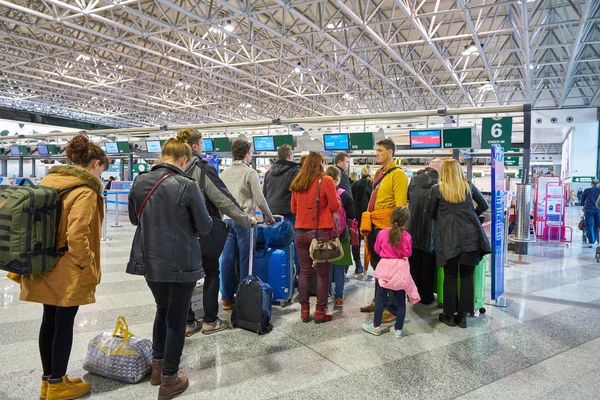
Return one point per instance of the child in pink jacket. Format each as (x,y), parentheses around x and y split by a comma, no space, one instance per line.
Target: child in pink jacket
(394,246)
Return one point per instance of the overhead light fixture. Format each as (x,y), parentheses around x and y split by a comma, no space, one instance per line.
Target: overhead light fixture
(298,69)
(470,50)
(466,53)
(229,26)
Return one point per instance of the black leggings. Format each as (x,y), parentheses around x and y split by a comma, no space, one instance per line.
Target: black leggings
(56,339)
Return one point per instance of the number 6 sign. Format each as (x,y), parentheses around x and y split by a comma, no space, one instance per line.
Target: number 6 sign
(496,132)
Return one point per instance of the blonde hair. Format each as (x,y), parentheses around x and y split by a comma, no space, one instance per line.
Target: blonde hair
(365,171)
(453,184)
(177,148)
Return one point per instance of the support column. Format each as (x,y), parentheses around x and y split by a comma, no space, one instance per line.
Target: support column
(456,154)
(20,167)
(4,168)
(526,143)
(33,167)
(470,169)
(130,166)
(122,168)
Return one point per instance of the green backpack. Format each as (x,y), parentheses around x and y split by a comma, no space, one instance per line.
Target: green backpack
(29,217)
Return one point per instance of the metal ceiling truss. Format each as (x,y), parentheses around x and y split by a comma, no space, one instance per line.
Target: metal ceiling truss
(173,62)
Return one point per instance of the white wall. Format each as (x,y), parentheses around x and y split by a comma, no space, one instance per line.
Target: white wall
(584,150)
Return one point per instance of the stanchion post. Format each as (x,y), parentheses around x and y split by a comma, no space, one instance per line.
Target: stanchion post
(104,238)
(116,225)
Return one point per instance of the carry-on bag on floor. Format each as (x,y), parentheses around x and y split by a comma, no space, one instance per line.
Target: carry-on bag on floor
(274,264)
(253,301)
(120,355)
(478,282)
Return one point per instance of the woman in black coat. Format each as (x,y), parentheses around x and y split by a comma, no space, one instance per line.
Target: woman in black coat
(361,192)
(169,211)
(459,238)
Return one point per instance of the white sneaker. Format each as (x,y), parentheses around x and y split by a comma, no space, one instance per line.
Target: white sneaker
(397,333)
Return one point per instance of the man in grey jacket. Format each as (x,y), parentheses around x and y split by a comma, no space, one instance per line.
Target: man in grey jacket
(342,161)
(243,183)
(218,201)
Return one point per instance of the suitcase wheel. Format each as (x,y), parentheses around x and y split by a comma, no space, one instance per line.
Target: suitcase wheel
(283,304)
(472,314)
(482,310)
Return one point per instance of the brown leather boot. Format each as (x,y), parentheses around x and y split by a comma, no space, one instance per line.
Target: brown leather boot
(171,386)
(321,316)
(157,366)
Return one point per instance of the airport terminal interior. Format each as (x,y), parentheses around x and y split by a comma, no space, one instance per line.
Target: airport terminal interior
(508,88)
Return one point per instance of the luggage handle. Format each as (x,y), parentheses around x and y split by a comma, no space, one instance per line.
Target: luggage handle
(122,329)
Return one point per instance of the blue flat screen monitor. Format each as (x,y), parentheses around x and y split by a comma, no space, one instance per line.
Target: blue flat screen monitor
(15,150)
(42,149)
(336,141)
(207,145)
(153,146)
(426,139)
(264,143)
(111,148)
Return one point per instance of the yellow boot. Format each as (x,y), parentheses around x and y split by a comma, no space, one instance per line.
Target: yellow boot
(44,387)
(65,389)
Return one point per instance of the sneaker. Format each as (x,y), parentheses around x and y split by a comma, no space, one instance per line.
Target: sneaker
(227,305)
(387,317)
(339,304)
(359,271)
(396,332)
(214,327)
(369,327)
(190,329)
(447,319)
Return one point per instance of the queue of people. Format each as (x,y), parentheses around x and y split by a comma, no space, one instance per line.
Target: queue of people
(408,231)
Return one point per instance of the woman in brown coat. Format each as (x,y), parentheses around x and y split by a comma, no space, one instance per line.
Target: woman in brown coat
(72,282)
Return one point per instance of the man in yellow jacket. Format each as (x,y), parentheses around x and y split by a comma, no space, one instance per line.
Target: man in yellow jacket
(390,190)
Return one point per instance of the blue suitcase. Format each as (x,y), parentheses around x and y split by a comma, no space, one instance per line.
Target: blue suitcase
(276,267)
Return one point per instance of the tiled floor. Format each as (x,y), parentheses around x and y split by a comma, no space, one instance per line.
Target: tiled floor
(544,345)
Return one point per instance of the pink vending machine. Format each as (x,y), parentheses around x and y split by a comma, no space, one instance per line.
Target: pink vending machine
(555,229)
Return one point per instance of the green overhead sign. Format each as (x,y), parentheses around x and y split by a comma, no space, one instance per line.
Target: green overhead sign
(496,132)
(457,138)
(222,145)
(280,140)
(362,141)
(511,161)
(583,179)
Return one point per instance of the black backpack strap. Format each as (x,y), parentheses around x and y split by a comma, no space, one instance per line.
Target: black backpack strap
(378,182)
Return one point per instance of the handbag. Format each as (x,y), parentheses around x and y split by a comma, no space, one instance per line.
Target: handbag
(120,355)
(324,250)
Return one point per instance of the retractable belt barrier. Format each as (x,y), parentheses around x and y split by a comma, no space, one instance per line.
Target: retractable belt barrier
(116,202)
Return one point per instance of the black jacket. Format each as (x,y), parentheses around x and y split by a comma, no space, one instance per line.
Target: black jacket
(345,181)
(166,238)
(457,226)
(276,187)
(421,227)
(362,190)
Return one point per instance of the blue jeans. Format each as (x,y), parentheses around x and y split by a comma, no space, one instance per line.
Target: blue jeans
(237,244)
(338,273)
(592,224)
(381,296)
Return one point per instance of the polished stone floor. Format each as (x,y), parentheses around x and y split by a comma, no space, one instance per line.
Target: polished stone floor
(544,345)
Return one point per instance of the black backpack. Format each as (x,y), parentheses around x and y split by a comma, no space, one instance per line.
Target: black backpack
(252,308)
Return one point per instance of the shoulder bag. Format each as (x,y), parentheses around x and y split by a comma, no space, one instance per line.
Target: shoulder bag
(213,243)
(322,251)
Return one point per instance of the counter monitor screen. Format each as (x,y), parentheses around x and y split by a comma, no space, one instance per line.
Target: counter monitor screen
(207,145)
(111,148)
(14,150)
(336,141)
(426,139)
(42,149)
(153,146)
(264,143)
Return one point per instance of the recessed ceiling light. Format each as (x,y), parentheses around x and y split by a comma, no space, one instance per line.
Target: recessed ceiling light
(229,26)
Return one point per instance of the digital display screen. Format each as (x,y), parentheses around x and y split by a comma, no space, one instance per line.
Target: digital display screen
(153,146)
(111,148)
(14,150)
(426,139)
(264,143)
(42,149)
(207,145)
(336,141)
